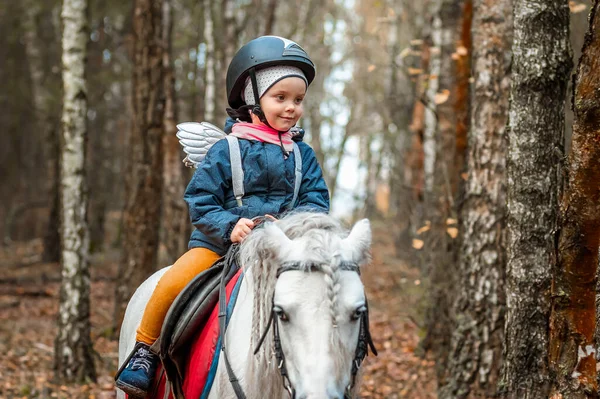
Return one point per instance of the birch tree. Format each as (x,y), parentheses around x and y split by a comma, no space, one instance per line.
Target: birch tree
(572,324)
(141,217)
(476,355)
(73,359)
(540,68)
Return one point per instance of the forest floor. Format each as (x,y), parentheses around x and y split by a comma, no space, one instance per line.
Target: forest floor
(29,294)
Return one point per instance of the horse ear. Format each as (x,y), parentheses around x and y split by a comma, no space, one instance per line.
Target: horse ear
(358,242)
(276,240)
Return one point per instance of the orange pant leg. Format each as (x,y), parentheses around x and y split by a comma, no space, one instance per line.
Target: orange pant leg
(193,262)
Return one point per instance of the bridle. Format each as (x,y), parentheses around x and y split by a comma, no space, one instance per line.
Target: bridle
(362,348)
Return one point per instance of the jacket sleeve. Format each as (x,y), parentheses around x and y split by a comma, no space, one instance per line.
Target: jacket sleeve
(313,194)
(206,192)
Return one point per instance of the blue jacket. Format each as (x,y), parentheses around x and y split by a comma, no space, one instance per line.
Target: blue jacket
(268,185)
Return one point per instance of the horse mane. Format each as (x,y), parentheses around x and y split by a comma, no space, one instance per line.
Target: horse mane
(321,235)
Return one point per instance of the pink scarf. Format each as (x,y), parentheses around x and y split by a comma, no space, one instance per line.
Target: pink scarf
(262,133)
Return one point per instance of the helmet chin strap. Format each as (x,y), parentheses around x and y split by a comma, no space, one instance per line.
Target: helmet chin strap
(256,109)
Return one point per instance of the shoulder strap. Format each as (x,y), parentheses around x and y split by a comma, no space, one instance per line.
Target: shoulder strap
(237,173)
(298,180)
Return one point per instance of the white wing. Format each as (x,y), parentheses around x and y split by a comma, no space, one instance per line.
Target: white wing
(196,139)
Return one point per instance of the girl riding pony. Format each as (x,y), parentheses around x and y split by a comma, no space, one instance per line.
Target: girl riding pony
(267,81)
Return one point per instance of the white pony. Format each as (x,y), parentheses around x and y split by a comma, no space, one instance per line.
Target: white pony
(301,276)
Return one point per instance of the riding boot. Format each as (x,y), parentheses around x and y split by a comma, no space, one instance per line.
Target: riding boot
(136,378)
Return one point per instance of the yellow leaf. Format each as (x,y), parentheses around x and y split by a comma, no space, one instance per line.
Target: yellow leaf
(577,7)
(404,53)
(442,96)
(452,232)
(455,56)
(371,68)
(424,229)
(462,50)
(415,71)
(464,176)
(451,221)
(417,244)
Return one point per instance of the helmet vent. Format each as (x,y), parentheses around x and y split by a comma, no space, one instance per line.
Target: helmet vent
(294,49)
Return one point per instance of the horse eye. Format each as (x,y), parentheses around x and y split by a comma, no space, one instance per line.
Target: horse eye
(281,314)
(358,313)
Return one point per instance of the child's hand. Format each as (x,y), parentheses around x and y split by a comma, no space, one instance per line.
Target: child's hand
(241,230)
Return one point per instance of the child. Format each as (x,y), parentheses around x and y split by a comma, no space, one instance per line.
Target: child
(266,85)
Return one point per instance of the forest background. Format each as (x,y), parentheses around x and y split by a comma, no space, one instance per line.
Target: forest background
(411,120)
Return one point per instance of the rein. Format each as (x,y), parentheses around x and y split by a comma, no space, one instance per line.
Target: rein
(362,348)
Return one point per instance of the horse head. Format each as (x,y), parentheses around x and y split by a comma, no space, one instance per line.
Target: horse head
(309,303)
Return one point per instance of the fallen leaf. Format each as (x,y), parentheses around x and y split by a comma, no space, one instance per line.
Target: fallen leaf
(371,68)
(417,244)
(577,7)
(462,50)
(452,232)
(415,71)
(404,53)
(424,228)
(442,97)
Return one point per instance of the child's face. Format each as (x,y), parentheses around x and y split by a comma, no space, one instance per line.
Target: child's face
(282,103)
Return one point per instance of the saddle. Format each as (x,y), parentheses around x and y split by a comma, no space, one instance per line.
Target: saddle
(188,315)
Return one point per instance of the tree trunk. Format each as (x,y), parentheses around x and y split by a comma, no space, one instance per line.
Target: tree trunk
(210,89)
(430,118)
(174,212)
(73,359)
(440,147)
(573,319)
(270,19)
(400,98)
(141,217)
(462,101)
(479,310)
(196,88)
(536,124)
(46,120)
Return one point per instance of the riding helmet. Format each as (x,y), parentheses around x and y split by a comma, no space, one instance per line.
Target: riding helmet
(264,52)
